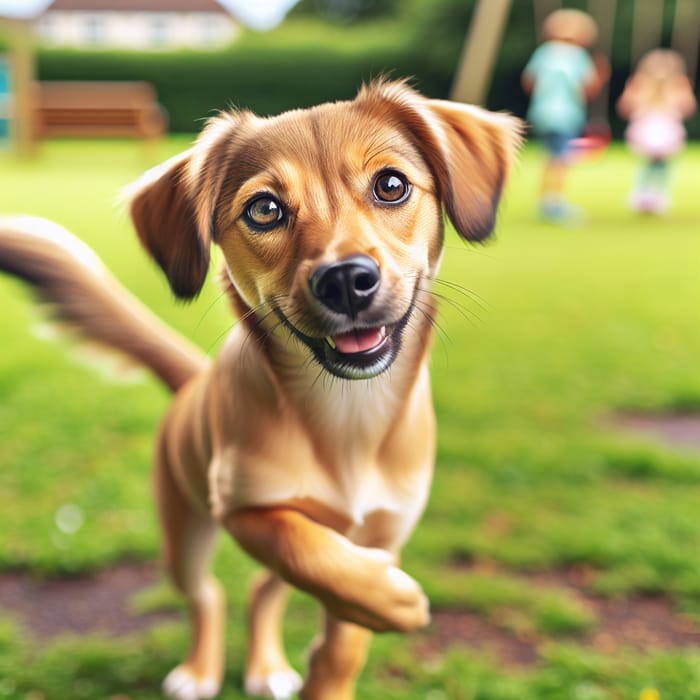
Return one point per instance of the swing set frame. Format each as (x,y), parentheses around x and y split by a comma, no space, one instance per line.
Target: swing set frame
(485,35)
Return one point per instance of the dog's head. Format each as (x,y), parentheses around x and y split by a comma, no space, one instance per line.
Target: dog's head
(330,219)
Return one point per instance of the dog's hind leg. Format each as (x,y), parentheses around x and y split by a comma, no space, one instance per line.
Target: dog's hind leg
(188,539)
(336,660)
(268,673)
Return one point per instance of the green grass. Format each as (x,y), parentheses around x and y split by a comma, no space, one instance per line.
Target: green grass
(544,334)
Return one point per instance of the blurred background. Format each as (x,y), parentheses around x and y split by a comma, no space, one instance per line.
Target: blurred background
(204,55)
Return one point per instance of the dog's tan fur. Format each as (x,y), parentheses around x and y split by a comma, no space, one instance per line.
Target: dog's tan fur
(321,478)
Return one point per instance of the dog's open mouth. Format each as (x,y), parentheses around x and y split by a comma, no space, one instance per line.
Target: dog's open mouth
(356,341)
(360,353)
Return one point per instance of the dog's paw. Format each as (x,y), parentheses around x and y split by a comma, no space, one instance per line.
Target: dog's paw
(381,596)
(412,609)
(183,684)
(400,604)
(280,685)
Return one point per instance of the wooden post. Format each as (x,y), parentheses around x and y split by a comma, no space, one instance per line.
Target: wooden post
(686,34)
(480,50)
(647,28)
(22,73)
(603,12)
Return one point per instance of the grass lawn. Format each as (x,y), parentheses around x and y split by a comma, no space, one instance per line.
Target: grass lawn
(544,335)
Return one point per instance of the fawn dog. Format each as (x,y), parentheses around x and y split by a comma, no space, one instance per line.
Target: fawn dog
(310,438)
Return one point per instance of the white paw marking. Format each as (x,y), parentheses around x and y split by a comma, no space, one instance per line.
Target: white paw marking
(401,579)
(180,684)
(279,685)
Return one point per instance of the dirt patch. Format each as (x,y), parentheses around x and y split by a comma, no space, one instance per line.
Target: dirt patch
(461,628)
(97,603)
(645,624)
(642,623)
(679,430)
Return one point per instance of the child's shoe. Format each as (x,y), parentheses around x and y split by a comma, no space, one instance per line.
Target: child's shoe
(649,202)
(556,210)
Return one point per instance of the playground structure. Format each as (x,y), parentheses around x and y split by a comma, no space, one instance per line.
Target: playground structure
(32,110)
(474,70)
(98,108)
(20,71)
(485,34)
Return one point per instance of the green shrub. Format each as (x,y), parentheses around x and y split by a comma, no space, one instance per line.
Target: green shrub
(307,60)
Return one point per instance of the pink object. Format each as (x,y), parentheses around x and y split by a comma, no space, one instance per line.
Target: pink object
(655,135)
(593,143)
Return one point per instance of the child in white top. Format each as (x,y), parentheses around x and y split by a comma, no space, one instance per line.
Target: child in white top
(656,100)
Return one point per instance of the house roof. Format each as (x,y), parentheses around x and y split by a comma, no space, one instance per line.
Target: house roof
(137,6)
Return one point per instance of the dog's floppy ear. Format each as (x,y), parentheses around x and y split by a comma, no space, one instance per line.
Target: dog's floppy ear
(173,205)
(164,215)
(476,149)
(469,150)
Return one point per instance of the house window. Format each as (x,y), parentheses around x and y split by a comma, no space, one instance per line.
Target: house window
(94,29)
(159,31)
(46,27)
(210,29)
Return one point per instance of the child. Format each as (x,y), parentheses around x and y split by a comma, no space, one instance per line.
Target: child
(561,77)
(656,100)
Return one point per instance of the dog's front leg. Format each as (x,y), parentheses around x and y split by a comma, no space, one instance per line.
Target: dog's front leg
(356,584)
(268,673)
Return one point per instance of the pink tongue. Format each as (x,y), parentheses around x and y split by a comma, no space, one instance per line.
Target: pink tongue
(358,341)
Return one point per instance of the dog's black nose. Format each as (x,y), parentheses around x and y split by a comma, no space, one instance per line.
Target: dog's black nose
(347,286)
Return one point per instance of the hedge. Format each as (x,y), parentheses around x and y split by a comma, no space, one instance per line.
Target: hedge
(305,62)
(193,86)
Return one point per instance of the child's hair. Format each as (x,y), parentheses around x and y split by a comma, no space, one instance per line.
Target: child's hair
(660,69)
(570,26)
(661,64)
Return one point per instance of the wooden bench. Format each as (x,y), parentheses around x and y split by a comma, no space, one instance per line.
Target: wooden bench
(98,109)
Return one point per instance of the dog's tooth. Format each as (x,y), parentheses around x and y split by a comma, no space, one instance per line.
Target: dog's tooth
(330,341)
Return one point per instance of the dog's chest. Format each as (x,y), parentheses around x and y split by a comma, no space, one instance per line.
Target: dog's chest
(336,461)
(377,505)
(355,470)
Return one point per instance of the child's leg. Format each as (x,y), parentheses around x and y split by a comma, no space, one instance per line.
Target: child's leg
(650,193)
(554,178)
(553,202)
(659,176)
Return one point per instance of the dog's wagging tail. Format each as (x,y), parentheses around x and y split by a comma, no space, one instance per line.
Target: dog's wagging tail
(330,225)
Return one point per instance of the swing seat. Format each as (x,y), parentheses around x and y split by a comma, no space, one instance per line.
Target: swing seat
(592,144)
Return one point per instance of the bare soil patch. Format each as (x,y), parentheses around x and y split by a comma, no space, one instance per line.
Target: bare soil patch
(643,623)
(678,430)
(95,603)
(451,628)
(99,603)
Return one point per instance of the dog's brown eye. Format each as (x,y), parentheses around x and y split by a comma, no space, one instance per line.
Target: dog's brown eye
(391,187)
(264,212)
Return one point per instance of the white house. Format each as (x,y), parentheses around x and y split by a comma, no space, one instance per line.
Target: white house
(137,24)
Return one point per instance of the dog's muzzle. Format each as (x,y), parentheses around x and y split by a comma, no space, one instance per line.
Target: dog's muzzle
(356,350)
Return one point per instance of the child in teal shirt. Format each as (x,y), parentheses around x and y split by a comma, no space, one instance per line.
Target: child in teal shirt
(561,77)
